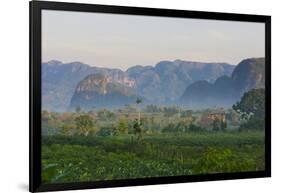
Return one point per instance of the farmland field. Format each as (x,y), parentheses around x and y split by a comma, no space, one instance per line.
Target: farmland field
(93,158)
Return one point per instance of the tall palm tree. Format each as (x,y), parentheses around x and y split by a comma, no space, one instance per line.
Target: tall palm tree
(138,101)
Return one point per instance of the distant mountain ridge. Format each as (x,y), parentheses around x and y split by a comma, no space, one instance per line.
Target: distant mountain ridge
(225,91)
(164,83)
(59,81)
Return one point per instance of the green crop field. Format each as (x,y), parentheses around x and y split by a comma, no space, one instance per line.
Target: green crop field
(93,158)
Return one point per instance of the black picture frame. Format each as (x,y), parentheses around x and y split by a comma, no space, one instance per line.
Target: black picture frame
(36,7)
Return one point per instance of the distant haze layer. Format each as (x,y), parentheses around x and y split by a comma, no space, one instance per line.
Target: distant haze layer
(122,41)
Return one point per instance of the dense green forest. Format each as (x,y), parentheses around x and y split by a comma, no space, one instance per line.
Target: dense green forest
(138,141)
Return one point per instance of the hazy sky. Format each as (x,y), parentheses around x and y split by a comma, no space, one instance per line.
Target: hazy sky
(121,41)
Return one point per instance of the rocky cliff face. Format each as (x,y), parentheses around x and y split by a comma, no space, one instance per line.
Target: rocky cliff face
(100,91)
(249,74)
(59,81)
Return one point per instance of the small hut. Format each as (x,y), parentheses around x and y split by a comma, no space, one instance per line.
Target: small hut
(214,119)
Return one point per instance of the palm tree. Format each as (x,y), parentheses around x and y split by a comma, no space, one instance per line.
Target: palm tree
(138,101)
(78,109)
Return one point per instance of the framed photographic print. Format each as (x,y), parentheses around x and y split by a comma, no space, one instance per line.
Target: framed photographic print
(125,96)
